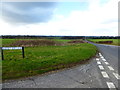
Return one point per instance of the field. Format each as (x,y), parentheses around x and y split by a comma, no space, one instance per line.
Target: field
(114,41)
(43,58)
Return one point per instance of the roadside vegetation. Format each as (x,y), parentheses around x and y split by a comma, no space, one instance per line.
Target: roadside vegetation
(106,41)
(43,55)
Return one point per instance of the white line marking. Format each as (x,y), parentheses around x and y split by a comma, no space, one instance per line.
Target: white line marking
(110,68)
(97,59)
(110,85)
(100,54)
(101,67)
(106,63)
(98,62)
(105,75)
(116,75)
(104,59)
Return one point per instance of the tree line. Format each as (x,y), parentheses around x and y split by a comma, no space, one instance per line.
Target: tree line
(56,37)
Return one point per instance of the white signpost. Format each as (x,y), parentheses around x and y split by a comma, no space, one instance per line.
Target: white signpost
(11,48)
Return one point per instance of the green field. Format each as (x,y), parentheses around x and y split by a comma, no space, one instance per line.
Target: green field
(41,59)
(115,41)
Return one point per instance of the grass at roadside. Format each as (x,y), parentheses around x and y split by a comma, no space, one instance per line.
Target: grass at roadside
(115,41)
(41,59)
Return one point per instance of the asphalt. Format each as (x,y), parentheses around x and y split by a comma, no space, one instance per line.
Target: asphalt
(111,54)
(87,75)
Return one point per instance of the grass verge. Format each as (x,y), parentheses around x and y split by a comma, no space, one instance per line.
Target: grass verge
(41,59)
(114,41)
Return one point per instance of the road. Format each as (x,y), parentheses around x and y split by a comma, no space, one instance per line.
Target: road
(99,72)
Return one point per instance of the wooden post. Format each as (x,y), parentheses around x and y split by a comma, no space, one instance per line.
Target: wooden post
(2,56)
(23,54)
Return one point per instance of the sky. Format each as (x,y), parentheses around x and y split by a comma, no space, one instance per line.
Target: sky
(75,18)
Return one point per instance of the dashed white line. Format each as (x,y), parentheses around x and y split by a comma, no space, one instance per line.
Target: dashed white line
(106,63)
(116,75)
(110,68)
(110,85)
(105,75)
(98,62)
(97,59)
(104,59)
(101,67)
(100,54)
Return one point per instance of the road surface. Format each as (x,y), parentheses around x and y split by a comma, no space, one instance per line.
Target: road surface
(100,72)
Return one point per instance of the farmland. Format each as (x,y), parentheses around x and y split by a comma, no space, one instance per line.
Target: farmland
(114,41)
(41,58)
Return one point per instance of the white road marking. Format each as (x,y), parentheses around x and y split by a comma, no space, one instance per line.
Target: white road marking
(100,54)
(104,59)
(97,59)
(110,85)
(116,75)
(101,67)
(106,63)
(98,62)
(105,75)
(110,68)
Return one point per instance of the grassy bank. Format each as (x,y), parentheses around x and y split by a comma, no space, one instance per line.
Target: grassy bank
(41,59)
(114,41)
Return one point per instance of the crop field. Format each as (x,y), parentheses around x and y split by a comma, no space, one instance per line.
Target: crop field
(114,41)
(41,58)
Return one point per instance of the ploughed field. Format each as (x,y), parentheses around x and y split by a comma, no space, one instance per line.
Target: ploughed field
(43,55)
(106,41)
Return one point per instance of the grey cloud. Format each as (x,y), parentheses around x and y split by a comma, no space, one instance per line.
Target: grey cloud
(27,12)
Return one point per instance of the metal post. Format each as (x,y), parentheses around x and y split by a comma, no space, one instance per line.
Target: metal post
(2,53)
(23,54)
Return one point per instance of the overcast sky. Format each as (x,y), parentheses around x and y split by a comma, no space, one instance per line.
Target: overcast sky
(83,18)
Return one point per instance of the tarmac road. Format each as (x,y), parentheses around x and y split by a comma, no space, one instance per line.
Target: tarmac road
(110,52)
(99,72)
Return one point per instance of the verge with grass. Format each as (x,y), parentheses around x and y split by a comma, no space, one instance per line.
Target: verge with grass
(41,59)
(106,41)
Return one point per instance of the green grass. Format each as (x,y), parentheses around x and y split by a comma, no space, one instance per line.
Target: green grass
(62,40)
(115,41)
(6,42)
(42,59)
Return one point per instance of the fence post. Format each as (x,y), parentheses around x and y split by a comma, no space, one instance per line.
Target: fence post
(2,56)
(23,54)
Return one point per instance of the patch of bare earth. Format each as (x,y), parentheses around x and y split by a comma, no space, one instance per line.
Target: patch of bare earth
(77,41)
(105,42)
(31,43)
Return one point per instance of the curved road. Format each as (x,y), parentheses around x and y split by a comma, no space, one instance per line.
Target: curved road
(99,72)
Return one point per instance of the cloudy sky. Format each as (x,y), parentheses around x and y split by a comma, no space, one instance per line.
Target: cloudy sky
(81,18)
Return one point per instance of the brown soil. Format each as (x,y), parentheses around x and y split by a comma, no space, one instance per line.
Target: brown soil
(30,43)
(76,41)
(105,42)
